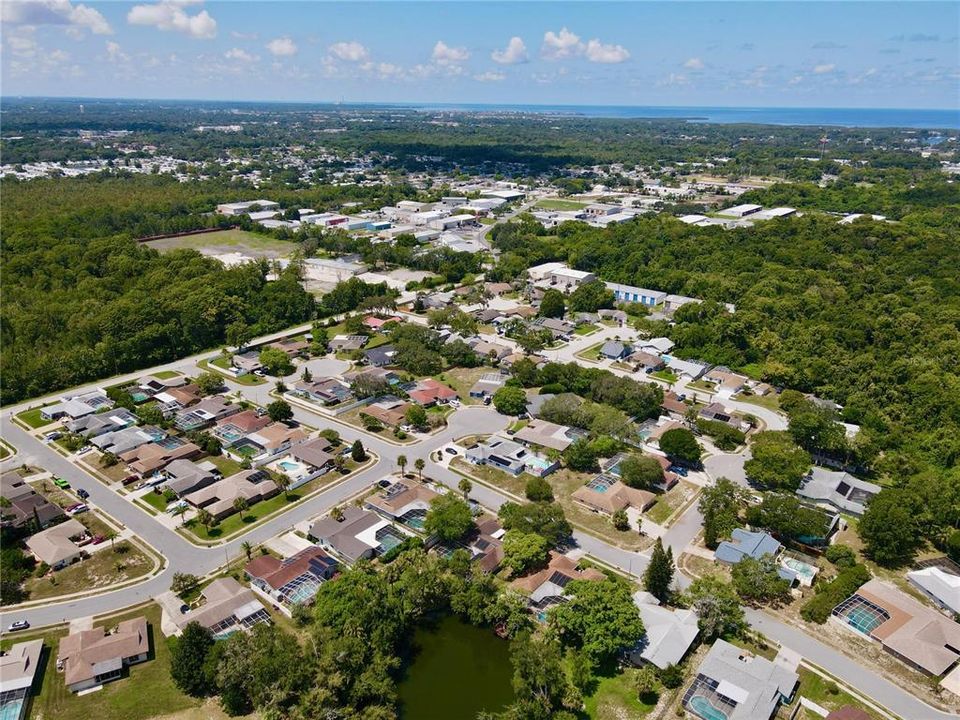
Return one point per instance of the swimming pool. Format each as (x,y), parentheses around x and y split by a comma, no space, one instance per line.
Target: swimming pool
(289,466)
(702,707)
(10,710)
(802,569)
(861,614)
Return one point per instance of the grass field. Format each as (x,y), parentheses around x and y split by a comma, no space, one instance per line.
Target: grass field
(145,690)
(33,419)
(614,696)
(224,241)
(557,204)
(591,353)
(222,363)
(166,374)
(586,330)
(462,379)
(670,501)
(665,375)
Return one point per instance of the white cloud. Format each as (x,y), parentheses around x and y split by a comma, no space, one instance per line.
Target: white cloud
(243,36)
(240,55)
(21,46)
(349,51)
(54,12)
(515,52)
(694,63)
(795,80)
(116,53)
(599,52)
(564,44)
(170,15)
(824,69)
(490,76)
(443,54)
(282,47)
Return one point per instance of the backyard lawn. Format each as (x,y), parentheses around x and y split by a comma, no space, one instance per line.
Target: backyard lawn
(462,379)
(564,482)
(770,401)
(33,419)
(827,694)
(227,466)
(145,690)
(615,696)
(104,567)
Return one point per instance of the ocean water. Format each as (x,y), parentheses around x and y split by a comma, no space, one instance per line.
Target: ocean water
(844,117)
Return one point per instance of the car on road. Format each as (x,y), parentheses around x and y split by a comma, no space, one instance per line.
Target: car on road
(82,494)
(61,483)
(18,625)
(450,451)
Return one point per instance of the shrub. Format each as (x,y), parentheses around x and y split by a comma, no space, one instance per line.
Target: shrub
(828,596)
(842,556)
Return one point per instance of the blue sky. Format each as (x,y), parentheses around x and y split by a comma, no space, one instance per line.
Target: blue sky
(810,54)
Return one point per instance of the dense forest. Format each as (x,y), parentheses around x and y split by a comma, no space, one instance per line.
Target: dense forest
(865,314)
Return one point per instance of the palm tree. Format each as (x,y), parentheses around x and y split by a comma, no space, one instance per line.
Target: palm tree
(112,536)
(420,464)
(247,549)
(180,510)
(240,504)
(205,518)
(336,512)
(402,463)
(465,487)
(339,461)
(282,481)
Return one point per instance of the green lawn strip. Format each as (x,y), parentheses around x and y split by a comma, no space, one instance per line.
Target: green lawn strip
(105,567)
(702,385)
(222,363)
(155,500)
(145,691)
(665,375)
(592,353)
(770,401)
(585,330)
(669,502)
(827,693)
(33,418)
(166,374)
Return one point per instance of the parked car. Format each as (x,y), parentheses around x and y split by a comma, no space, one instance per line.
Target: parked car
(61,483)
(77,509)
(682,471)
(487,399)
(450,451)
(84,450)
(97,539)
(455,403)
(82,494)
(130,479)
(18,625)
(51,436)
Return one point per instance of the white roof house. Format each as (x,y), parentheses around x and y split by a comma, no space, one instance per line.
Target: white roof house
(668,633)
(940,586)
(740,211)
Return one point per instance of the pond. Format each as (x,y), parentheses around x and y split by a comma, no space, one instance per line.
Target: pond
(458,671)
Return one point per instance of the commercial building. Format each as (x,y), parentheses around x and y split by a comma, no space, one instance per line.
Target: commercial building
(631,294)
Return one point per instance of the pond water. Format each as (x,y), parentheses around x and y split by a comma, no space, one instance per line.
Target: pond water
(458,671)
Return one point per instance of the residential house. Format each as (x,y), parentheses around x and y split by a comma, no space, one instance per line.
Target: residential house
(606,494)
(147,459)
(268,442)
(745,543)
(547,434)
(838,489)
(186,476)
(174,399)
(218,498)
(291,346)
(668,634)
(18,669)
(728,383)
(489,350)
(228,607)
(404,501)
(119,442)
(25,507)
(488,384)
(76,406)
(738,685)
(380,356)
(358,534)
(378,323)
(643,361)
(718,413)
(535,403)
(612,467)
(511,457)
(916,634)
(547,587)
(57,546)
(304,462)
(327,391)
(101,423)
(487,544)
(431,392)
(487,316)
(388,410)
(93,657)
(347,343)
(560,329)
(388,377)
(942,587)
(690,369)
(248,362)
(614,315)
(672,303)
(208,411)
(630,294)
(235,427)
(497,289)
(614,350)
(293,581)
(658,345)
(674,406)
